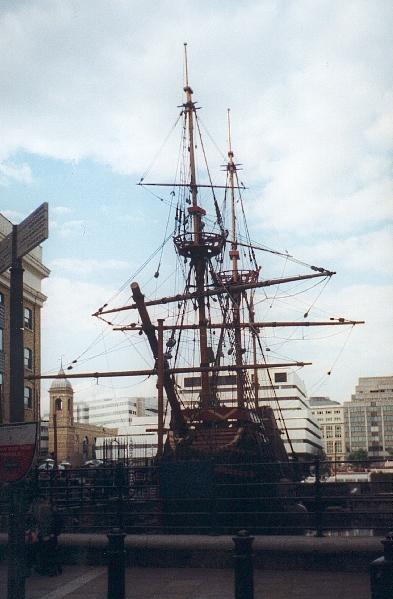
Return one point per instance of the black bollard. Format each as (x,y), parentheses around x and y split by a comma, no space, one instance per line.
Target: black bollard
(381,571)
(244,573)
(116,556)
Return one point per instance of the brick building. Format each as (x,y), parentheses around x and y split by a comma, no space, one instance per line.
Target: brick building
(69,440)
(33,300)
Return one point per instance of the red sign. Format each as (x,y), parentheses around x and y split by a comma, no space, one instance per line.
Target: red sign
(17,449)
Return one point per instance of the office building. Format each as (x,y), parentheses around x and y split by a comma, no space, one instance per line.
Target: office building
(285,393)
(118,412)
(369,417)
(330,417)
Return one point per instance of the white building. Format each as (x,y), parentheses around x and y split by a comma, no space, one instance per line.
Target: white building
(285,393)
(140,441)
(116,412)
(330,417)
(136,421)
(43,450)
(288,399)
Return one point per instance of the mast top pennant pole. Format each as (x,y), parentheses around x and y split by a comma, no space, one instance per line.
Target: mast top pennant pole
(185,65)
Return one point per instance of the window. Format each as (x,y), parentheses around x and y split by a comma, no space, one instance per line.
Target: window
(1,298)
(1,339)
(280,377)
(58,403)
(28,397)
(28,354)
(28,318)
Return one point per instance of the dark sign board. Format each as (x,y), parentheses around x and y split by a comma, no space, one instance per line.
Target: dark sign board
(6,253)
(33,230)
(17,450)
(30,233)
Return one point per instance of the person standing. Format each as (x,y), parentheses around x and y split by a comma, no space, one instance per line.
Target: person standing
(48,528)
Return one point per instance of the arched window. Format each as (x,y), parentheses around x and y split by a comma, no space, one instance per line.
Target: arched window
(58,403)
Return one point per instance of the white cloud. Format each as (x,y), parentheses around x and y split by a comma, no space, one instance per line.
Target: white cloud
(69,332)
(347,352)
(15,172)
(309,88)
(88,266)
(60,210)
(14,216)
(69,228)
(367,253)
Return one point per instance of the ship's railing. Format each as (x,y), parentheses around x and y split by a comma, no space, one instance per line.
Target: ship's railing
(328,498)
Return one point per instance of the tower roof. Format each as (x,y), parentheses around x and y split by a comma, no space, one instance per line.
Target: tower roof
(61,384)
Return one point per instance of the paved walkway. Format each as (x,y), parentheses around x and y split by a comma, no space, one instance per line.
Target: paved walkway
(83,582)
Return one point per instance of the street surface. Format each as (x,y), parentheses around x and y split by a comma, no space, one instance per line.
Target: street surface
(84,582)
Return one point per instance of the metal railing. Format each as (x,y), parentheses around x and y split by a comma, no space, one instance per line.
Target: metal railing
(206,497)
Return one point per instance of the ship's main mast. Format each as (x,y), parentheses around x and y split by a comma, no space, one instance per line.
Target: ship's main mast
(231,288)
(198,246)
(234,256)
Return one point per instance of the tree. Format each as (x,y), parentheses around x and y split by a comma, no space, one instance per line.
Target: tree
(359,457)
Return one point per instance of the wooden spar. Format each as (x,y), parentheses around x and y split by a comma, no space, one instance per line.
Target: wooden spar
(160,389)
(168,371)
(188,185)
(254,333)
(244,325)
(178,422)
(218,291)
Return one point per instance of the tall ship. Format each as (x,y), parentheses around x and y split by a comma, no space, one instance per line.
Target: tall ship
(211,335)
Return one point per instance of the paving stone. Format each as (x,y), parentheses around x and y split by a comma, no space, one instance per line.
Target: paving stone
(83,582)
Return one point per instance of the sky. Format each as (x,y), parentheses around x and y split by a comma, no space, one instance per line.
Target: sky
(91,89)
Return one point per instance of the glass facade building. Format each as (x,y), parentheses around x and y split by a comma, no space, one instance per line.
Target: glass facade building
(369,417)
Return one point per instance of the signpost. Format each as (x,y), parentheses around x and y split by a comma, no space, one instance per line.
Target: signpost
(24,238)
(33,230)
